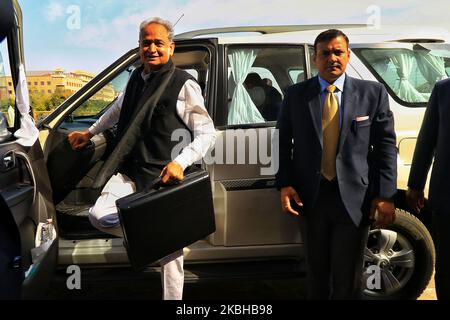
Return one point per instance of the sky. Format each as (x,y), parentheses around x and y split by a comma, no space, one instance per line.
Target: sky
(91,34)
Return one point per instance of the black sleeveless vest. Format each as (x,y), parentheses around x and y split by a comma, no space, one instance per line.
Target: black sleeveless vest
(153,151)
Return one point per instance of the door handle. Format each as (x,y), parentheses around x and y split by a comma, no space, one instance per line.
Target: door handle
(8,162)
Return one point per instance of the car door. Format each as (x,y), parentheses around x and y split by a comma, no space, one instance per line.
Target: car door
(72,171)
(246,200)
(26,266)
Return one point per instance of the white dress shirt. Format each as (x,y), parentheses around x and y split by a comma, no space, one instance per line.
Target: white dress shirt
(190,108)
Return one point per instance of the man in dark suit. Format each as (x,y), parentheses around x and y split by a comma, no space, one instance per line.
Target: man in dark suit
(337,171)
(433,142)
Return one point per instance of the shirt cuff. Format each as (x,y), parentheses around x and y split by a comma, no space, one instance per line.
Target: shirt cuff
(93,131)
(184,163)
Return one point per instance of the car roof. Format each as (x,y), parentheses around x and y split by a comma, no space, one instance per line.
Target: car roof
(357,33)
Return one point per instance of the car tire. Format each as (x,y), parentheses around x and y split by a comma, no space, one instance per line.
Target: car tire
(399,260)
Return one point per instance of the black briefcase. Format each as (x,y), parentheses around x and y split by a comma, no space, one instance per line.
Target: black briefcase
(163,220)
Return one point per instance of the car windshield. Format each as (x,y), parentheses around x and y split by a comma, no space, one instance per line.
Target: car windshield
(409,71)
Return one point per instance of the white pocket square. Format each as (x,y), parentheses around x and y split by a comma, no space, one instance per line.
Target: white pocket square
(358,119)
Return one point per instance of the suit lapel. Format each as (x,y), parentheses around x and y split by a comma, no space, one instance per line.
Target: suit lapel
(314,108)
(350,107)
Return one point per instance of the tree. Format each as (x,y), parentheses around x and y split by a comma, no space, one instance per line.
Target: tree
(4,104)
(54,101)
(37,101)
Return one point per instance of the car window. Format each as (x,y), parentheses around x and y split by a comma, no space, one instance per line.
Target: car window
(408,72)
(267,77)
(257,80)
(7,95)
(196,61)
(314,70)
(97,103)
(49,88)
(297,75)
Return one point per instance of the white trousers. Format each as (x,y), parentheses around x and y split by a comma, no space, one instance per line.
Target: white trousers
(104,216)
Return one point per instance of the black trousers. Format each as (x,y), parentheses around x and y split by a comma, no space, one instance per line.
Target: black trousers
(334,247)
(441,238)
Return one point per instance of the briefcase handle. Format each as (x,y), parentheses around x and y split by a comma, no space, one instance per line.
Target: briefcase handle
(156,183)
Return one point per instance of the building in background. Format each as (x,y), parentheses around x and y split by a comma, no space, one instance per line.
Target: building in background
(49,82)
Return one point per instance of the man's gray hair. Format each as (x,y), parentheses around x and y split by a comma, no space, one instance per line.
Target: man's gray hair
(165,23)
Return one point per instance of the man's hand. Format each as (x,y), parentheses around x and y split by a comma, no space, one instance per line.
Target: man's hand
(383,212)
(79,139)
(287,194)
(415,199)
(172,172)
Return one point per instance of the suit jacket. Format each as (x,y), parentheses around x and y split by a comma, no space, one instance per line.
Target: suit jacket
(433,140)
(366,161)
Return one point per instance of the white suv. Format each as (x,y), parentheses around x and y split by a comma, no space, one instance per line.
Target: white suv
(250,226)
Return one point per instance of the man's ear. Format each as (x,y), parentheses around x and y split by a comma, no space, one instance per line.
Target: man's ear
(172,48)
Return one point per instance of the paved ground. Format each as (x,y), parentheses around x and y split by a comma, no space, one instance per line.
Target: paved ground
(430,291)
(149,288)
(242,290)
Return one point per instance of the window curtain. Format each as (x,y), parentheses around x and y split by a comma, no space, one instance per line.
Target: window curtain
(242,110)
(431,67)
(403,61)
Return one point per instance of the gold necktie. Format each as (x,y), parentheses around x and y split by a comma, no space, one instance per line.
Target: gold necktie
(330,127)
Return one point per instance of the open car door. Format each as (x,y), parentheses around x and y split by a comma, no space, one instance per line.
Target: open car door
(27,259)
(73,173)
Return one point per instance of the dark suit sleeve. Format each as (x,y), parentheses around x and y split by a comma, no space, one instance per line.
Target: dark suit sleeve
(384,154)
(284,145)
(426,144)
